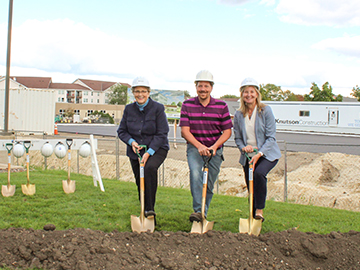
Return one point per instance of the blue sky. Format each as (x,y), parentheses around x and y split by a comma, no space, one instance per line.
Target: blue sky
(285,42)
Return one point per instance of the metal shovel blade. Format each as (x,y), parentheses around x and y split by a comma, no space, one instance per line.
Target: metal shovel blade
(148,224)
(28,189)
(68,186)
(202,226)
(8,191)
(256,227)
(252,228)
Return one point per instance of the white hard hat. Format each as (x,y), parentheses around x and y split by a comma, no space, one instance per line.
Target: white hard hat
(250,82)
(47,149)
(18,150)
(205,76)
(60,150)
(140,81)
(85,149)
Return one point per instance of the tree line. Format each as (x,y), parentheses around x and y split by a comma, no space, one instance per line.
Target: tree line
(275,93)
(118,94)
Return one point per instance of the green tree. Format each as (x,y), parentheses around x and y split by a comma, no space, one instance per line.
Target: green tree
(118,94)
(229,96)
(273,92)
(104,116)
(356,92)
(290,96)
(186,95)
(325,94)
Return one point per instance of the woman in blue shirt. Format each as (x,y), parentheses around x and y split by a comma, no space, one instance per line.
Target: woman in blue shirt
(144,123)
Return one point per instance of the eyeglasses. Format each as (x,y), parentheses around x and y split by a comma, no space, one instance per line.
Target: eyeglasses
(137,92)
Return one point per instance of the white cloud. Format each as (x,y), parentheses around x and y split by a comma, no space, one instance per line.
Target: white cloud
(267,2)
(69,47)
(233,2)
(320,12)
(347,45)
(65,50)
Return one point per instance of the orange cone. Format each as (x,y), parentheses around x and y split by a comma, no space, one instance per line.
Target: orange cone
(55,129)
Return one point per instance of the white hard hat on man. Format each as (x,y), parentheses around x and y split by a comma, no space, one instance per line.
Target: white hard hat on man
(204,76)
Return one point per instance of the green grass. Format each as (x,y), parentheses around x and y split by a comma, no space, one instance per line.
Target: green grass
(90,208)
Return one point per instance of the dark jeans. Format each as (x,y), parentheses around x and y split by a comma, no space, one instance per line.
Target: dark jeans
(262,168)
(150,176)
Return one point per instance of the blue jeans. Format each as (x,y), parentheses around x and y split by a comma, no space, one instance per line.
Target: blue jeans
(196,164)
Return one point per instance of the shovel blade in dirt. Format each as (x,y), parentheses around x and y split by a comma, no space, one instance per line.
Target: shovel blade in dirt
(147,224)
(28,189)
(69,186)
(8,191)
(202,226)
(252,227)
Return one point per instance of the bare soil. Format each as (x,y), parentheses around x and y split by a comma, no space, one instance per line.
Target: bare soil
(87,249)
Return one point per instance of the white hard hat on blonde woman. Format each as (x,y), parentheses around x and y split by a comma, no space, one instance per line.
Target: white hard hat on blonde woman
(249,82)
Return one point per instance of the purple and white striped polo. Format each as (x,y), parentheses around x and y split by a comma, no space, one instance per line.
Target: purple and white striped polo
(206,123)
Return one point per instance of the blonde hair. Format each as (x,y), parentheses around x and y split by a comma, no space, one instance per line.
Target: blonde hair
(243,108)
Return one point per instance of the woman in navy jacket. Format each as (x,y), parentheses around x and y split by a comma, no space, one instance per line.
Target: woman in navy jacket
(144,123)
(254,128)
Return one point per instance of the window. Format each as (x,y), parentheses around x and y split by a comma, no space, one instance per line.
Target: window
(89,112)
(98,100)
(92,93)
(77,112)
(103,111)
(92,101)
(86,93)
(86,100)
(61,111)
(304,113)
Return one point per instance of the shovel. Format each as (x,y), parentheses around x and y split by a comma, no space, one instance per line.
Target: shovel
(203,226)
(250,226)
(28,189)
(8,190)
(142,223)
(69,185)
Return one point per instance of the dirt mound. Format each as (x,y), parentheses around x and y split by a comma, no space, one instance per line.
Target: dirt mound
(87,249)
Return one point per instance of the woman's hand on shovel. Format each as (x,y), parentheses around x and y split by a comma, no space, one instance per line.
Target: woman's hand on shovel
(145,157)
(135,146)
(255,159)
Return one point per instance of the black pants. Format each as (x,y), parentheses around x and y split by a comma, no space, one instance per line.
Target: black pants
(150,176)
(262,168)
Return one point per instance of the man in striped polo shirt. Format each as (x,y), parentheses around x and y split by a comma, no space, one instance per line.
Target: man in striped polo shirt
(205,125)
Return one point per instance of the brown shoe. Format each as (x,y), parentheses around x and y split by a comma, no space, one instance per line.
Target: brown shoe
(195,217)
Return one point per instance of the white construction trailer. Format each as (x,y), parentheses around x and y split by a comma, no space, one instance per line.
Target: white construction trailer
(331,117)
(30,110)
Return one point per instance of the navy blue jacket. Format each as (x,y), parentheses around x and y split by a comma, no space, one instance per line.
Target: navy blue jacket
(148,127)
